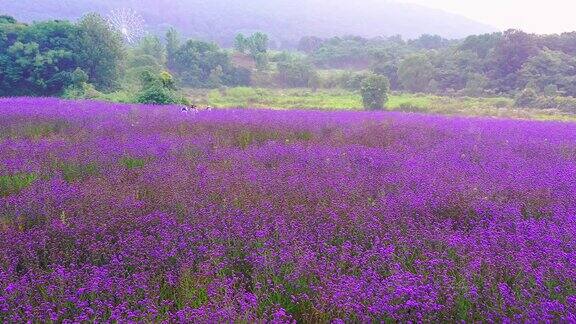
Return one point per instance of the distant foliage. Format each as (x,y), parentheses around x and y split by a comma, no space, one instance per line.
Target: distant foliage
(310,44)
(296,72)
(527,98)
(480,65)
(241,43)
(415,73)
(39,59)
(101,51)
(550,68)
(202,65)
(157,89)
(374,91)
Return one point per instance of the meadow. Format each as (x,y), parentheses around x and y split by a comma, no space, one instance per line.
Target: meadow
(341,99)
(115,212)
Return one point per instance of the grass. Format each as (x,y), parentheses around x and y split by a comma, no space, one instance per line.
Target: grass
(333,99)
(14,183)
(131,163)
(339,99)
(72,172)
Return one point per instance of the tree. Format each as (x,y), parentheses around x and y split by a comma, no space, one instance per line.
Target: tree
(550,68)
(157,89)
(482,45)
(415,73)
(526,99)
(429,42)
(216,76)
(475,85)
(296,72)
(153,47)
(310,44)
(512,51)
(36,59)
(172,46)
(80,88)
(258,44)
(374,91)
(262,61)
(79,77)
(200,64)
(241,43)
(101,51)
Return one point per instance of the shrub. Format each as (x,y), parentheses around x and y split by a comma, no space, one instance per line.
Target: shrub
(374,91)
(157,89)
(156,95)
(526,98)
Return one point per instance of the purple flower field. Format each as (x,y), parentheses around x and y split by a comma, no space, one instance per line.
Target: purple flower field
(114,212)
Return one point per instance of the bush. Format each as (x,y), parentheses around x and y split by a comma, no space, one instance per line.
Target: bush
(530,99)
(158,89)
(374,91)
(296,73)
(156,95)
(526,98)
(80,88)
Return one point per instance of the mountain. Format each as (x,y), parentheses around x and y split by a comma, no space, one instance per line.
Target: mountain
(286,21)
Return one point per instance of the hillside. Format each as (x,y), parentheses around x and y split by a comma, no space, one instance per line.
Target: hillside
(285,20)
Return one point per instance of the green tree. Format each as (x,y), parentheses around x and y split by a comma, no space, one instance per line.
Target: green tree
(199,64)
(215,78)
(241,43)
(550,68)
(153,47)
(36,59)
(415,73)
(374,91)
(296,73)
(157,89)
(172,46)
(258,44)
(512,51)
(475,85)
(101,51)
(310,44)
(79,77)
(527,98)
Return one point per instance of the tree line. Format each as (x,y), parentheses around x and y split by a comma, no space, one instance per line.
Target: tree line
(43,59)
(88,57)
(490,64)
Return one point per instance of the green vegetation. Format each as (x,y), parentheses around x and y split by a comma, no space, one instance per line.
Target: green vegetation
(88,60)
(325,99)
(14,183)
(131,163)
(340,99)
(374,92)
(72,171)
(40,59)
(202,65)
(158,89)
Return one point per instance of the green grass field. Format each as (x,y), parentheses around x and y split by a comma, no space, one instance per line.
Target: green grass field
(337,99)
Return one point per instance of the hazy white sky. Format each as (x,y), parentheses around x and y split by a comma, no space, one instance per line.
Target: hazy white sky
(538,16)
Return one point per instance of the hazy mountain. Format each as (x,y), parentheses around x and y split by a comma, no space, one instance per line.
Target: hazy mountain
(284,20)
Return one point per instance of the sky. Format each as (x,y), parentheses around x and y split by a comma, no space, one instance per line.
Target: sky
(536,16)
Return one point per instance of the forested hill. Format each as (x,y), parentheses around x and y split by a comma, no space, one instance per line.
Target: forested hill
(286,21)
